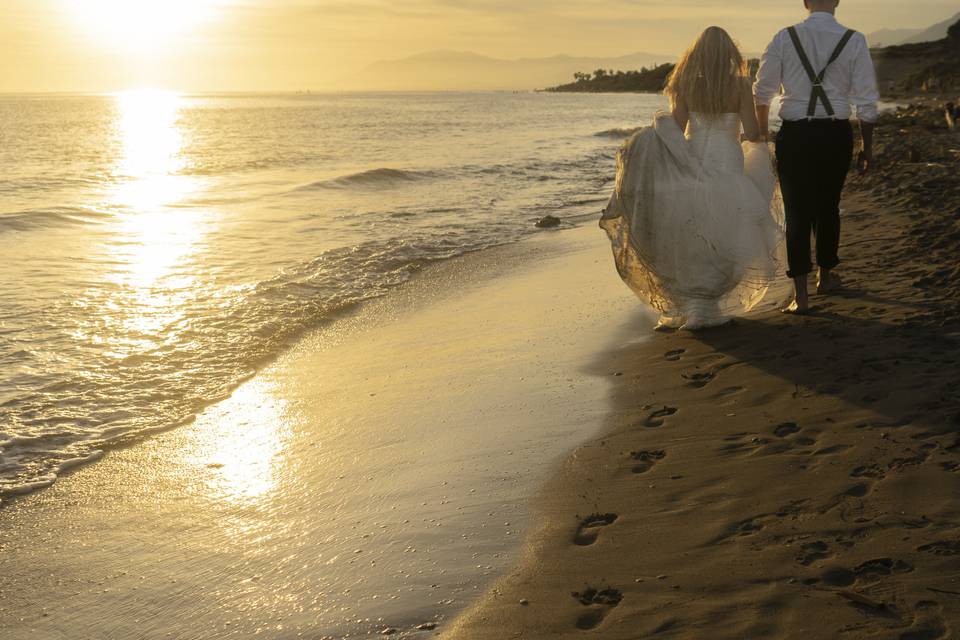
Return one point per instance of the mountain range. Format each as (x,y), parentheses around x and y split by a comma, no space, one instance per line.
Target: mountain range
(892,37)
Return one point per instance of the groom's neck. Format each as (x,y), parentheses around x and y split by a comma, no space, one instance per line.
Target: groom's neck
(822,6)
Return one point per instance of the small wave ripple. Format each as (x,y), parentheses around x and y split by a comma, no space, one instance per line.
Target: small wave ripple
(372,179)
(49,218)
(53,420)
(624,132)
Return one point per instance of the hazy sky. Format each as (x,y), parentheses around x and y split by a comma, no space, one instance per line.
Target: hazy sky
(103,45)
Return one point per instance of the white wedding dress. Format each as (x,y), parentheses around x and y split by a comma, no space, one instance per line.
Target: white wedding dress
(695,224)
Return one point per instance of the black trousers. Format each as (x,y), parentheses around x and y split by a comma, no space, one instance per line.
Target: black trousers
(813,159)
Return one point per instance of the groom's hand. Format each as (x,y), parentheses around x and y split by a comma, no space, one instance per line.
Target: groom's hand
(865,157)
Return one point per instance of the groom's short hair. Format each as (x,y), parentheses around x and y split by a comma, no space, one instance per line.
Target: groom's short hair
(818,4)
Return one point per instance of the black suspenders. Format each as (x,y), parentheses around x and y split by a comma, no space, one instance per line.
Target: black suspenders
(817,92)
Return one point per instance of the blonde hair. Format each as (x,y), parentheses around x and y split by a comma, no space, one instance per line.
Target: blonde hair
(709,75)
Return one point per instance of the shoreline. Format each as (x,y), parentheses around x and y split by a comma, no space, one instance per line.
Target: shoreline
(374,477)
(10,495)
(762,555)
(782,477)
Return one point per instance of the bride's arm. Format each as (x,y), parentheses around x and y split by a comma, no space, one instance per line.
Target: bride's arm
(748,114)
(681,114)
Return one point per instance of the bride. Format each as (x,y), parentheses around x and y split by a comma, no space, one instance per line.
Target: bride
(694,225)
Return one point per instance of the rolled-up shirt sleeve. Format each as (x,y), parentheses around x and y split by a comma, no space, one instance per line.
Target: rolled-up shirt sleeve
(864,93)
(770,73)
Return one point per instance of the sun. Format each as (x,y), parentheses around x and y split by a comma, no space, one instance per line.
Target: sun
(139,25)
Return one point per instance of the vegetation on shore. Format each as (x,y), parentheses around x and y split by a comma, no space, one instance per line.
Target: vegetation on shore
(604,81)
(642,81)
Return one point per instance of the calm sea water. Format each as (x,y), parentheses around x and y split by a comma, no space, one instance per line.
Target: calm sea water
(157,249)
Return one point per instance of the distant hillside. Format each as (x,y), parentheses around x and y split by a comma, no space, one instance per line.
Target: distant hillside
(642,81)
(465,71)
(934,33)
(926,67)
(603,81)
(893,37)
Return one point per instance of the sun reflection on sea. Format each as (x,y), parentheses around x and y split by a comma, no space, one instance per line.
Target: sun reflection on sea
(149,168)
(155,238)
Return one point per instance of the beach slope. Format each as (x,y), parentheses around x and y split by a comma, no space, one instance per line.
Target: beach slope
(781,477)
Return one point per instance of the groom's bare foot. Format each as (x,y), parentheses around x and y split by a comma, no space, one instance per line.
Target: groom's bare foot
(801,302)
(828,282)
(797,308)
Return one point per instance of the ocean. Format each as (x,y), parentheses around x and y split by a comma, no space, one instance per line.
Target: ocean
(158,248)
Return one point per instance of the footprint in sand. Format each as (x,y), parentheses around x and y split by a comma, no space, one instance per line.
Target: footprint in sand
(598,602)
(942,548)
(917,459)
(674,355)
(785,429)
(837,448)
(928,623)
(879,568)
(865,574)
(858,490)
(749,527)
(787,438)
(868,471)
(729,392)
(743,442)
(698,380)
(590,527)
(646,459)
(657,418)
(851,509)
(813,551)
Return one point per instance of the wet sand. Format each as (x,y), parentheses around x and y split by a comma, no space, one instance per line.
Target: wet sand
(782,477)
(374,478)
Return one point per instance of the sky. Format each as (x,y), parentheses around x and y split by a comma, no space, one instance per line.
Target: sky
(250,45)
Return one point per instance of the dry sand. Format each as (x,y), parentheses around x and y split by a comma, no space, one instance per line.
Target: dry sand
(782,477)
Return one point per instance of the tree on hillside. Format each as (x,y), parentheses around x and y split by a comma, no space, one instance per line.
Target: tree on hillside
(645,80)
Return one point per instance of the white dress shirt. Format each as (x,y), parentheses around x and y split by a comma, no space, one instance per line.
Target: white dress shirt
(851,78)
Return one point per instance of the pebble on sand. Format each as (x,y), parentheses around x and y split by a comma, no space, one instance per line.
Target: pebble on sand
(548,221)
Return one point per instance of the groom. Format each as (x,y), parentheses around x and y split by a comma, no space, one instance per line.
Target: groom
(822,68)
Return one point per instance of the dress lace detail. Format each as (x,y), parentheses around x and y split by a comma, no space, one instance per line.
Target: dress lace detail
(695,226)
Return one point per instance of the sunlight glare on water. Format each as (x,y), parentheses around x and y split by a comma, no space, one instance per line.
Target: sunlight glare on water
(161,247)
(151,241)
(247,456)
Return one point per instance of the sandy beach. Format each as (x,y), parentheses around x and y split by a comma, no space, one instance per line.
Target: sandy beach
(407,470)
(462,320)
(781,477)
